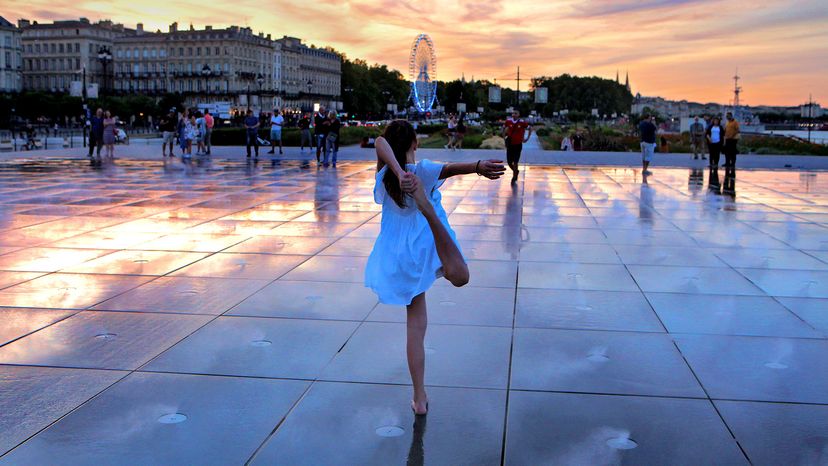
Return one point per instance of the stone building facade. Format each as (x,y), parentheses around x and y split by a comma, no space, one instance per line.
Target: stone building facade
(206,65)
(310,76)
(55,54)
(11,57)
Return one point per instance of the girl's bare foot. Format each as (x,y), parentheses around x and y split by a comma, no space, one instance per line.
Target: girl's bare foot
(420,408)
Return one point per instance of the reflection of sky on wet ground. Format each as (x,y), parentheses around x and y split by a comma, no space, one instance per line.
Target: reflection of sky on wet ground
(607,285)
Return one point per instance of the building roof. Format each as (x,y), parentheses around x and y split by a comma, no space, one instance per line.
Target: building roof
(4,23)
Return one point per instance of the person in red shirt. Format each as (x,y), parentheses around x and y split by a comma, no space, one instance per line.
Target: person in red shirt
(208,134)
(515,132)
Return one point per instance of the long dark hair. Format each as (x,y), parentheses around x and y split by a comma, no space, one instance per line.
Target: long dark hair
(400,135)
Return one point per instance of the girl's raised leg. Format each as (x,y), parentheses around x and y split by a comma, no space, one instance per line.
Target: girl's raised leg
(417,321)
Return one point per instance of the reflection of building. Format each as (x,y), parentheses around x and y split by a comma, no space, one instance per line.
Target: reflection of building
(309,75)
(11,51)
(205,65)
(55,54)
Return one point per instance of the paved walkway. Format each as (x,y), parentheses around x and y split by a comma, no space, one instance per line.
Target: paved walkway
(214,313)
(532,155)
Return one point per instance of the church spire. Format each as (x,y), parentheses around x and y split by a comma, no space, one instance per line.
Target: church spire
(627,81)
(616,77)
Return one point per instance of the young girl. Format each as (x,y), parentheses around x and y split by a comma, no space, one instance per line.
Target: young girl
(416,245)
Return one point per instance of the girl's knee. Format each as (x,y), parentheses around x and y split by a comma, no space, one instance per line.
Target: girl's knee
(458,276)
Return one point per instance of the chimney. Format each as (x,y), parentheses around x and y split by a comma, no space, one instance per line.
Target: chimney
(139,28)
(174,27)
(208,28)
(23,23)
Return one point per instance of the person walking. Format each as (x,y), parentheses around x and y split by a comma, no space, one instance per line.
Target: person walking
(276,123)
(460,132)
(648,141)
(96,133)
(715,138)
(516,134)
(190,134)
(332,138)
(201,130)
(319,120)
(209,122)
(697,136)
(167,126)
(304,132)
(181,129)
(416,244)
(251,127)
(452,132)
(731,140)
(110,128)
(566,143)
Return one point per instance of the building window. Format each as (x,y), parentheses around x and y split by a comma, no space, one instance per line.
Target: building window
(180,51)
(198,51)
(146,53)
(163,52)
(189,51)
(136,53)
(77,47)
(153,53)
(128,53)
(207,50)
(218,51)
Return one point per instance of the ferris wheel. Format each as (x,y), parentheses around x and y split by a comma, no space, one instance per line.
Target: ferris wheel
(422,72)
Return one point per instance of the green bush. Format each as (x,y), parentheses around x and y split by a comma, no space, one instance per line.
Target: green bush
(431,129)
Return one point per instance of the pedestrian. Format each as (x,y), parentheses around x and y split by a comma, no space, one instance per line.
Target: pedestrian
(201,130)
(319,120)
(167,126)
(715,138)
(190,134)
(731,141)
(648,141)
(566,143)
(251,126)
(516,134)
(332,138)
(276,123)
(697,136)
(110,129)
(416,244)
(181,129)
(452,132)
(304,132)
(460,132)
(96,132)
(208,130)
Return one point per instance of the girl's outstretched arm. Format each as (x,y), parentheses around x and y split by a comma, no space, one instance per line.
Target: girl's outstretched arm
(491,169)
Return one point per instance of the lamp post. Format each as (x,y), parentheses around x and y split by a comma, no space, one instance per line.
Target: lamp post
(260,81)
(387,99)
(83,102)
(206,72)
(310,98)
(105,57)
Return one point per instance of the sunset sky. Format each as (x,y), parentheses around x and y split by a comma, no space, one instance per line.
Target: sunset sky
(678,49)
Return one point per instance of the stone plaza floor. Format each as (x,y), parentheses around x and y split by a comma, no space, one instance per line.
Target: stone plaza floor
(214,313)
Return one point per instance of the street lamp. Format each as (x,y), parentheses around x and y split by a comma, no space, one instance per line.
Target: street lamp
(310,98)
(206,72)
(105,57)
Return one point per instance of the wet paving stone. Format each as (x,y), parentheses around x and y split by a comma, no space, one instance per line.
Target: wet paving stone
(606,320)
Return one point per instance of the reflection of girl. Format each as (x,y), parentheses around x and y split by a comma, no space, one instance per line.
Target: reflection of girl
(566,144)
(416,244)
(460,133)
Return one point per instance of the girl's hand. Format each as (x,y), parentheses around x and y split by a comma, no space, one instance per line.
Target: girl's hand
(491,169)
(419,195)
(409,183)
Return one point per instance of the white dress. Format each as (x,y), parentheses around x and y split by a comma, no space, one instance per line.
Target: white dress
(404,261)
